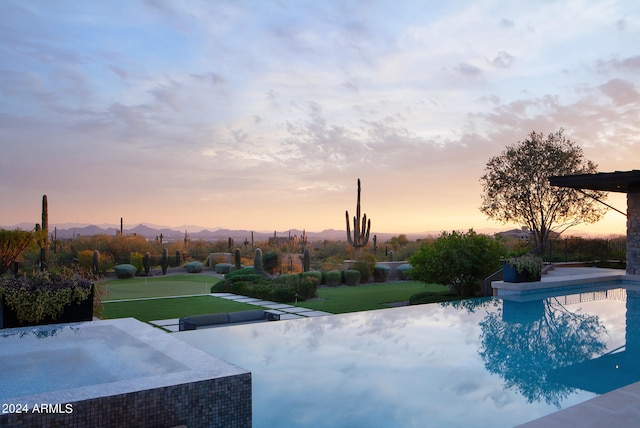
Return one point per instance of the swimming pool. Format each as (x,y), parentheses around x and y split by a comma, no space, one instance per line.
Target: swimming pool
(489,362)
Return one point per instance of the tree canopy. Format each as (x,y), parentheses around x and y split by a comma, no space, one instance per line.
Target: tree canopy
(517,190)
(457,259)
(13,243)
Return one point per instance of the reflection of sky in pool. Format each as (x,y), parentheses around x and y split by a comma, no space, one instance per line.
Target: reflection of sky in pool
(428,365)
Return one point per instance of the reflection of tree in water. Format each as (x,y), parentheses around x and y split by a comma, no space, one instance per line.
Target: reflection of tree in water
(523,353)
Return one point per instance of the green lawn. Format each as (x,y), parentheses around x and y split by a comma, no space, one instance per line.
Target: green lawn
(335,300)
(159,286)
(158,309)
(366,297)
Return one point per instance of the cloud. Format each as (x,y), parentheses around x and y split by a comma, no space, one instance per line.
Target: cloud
(621,92)
(629,64)
(468,70)
(502,60)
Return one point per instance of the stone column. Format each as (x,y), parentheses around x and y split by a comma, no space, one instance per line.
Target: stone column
(633,233)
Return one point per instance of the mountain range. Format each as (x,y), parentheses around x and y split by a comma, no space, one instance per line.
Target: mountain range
(69,231)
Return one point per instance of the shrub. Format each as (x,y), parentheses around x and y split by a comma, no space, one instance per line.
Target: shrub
(239,287)
(404,271)
(290,280)
(284,295)
(244,271)
(309,284)
(459,260)
(223,268)
(351,277)
(259,291)
(136,259)
(43,295)
(125,270)
(250,277)
(332,278)
(381,273)
(365,265)
(85,260)
(271,261)
(193,267)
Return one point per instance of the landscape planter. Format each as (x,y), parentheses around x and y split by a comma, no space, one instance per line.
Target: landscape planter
(510,274)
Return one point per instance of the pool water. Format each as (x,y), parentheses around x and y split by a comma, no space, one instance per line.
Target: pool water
(481,362)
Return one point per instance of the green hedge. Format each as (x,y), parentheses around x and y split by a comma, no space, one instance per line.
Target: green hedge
(404,271)
(351,277)
(309,282)
(332,278)
(381,273)
(291,280)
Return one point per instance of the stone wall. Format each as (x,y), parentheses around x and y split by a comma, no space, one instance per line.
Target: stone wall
(633,233)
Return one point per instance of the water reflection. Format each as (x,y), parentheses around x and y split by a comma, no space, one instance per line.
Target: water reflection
(467,363)
(527,341)
(616,368)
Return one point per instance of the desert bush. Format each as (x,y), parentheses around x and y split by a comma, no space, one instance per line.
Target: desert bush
(271,261)
(365,265)
(332,278)
(404,271)
(290,280)
(85,260)
(136,259)
(125,270)
(193,267)
(309,284)
(352,277)
(223,268)
(284,295)
(381,273)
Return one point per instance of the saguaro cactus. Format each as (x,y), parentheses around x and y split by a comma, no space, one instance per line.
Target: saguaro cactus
(237,258)
(361,229)
(96,262)
(164,262)
(257,261)
(306,260)
(44,249)
(146,263)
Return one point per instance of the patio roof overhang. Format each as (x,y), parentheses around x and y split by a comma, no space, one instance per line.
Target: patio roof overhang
(618,181)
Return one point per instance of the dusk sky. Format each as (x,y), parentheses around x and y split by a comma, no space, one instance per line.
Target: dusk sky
(262,114)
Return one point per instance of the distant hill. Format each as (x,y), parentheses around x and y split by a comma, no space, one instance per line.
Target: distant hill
(69,231)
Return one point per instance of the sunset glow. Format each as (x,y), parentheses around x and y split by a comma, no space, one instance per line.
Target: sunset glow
(262,115)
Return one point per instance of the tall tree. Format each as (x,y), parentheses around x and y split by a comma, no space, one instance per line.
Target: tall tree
(517,190)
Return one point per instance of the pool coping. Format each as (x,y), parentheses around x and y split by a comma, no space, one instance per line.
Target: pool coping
(562,284)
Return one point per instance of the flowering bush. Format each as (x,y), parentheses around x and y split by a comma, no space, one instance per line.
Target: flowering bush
(43,295)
